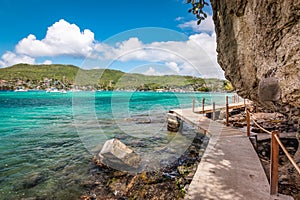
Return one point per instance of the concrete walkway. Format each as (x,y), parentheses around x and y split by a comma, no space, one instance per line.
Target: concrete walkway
(230,168)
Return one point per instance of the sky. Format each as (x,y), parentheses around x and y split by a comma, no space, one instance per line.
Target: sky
(150,37)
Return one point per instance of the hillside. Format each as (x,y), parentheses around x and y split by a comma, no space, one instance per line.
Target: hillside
(69,76)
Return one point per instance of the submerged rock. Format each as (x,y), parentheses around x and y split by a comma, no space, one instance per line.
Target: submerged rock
(33,180)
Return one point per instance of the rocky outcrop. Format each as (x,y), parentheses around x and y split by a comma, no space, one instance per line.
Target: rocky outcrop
(174,123)
(117,155)
(258,45)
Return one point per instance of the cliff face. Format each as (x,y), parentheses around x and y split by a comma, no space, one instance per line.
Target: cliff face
(258,45)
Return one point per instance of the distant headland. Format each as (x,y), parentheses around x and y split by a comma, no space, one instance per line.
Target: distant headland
(70,77)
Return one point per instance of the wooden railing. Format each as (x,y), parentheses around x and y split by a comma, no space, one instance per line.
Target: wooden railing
(234,99)
(202,106)
(275,144)
(275,140)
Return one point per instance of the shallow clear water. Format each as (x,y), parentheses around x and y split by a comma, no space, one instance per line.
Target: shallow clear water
(47,140)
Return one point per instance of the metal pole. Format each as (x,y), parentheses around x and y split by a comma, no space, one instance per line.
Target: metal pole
(227,112)
(274,164)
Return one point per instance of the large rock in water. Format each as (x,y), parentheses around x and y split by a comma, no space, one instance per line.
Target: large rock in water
(173,122)
(258,45)
(117,155)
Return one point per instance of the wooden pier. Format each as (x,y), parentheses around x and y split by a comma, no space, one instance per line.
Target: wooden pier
(230,167)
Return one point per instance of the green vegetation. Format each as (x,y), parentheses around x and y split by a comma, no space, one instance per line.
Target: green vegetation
(228,86)
(197,9)
(69,76)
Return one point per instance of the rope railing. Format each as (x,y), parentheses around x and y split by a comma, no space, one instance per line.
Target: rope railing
(275,143)
(287,153)
(263,129)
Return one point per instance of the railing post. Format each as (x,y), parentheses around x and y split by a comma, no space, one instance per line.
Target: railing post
(227,112)
(193,105)
(274,164)
(214,112)
(248,121)
(203,102)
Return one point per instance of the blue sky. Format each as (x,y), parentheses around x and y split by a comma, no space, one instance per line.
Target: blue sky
(92,31)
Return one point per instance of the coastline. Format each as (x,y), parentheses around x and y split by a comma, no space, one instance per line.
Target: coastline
(287,185)
(169,181)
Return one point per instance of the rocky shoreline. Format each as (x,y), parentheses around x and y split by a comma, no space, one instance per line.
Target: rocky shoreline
(171,181)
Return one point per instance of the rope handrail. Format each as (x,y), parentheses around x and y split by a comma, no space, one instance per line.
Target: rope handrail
(287,153)
(279,142)
(263,129)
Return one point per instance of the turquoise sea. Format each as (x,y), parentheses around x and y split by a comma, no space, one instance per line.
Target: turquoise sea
(47,140)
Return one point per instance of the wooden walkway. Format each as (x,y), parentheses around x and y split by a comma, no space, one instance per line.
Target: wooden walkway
(230,168)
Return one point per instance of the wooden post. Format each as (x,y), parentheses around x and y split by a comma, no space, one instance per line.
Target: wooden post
(274,164)
(203,102)
(227,112)
(193,105)
(214,112)
(248,122)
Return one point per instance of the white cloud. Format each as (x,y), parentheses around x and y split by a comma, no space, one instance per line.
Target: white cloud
(195,56)
(206,25)
(10,58)
(152,71)
(173,66)
(47,62)
(179,18)
(62,38)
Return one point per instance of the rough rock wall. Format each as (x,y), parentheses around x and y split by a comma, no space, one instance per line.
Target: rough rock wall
(258,45)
